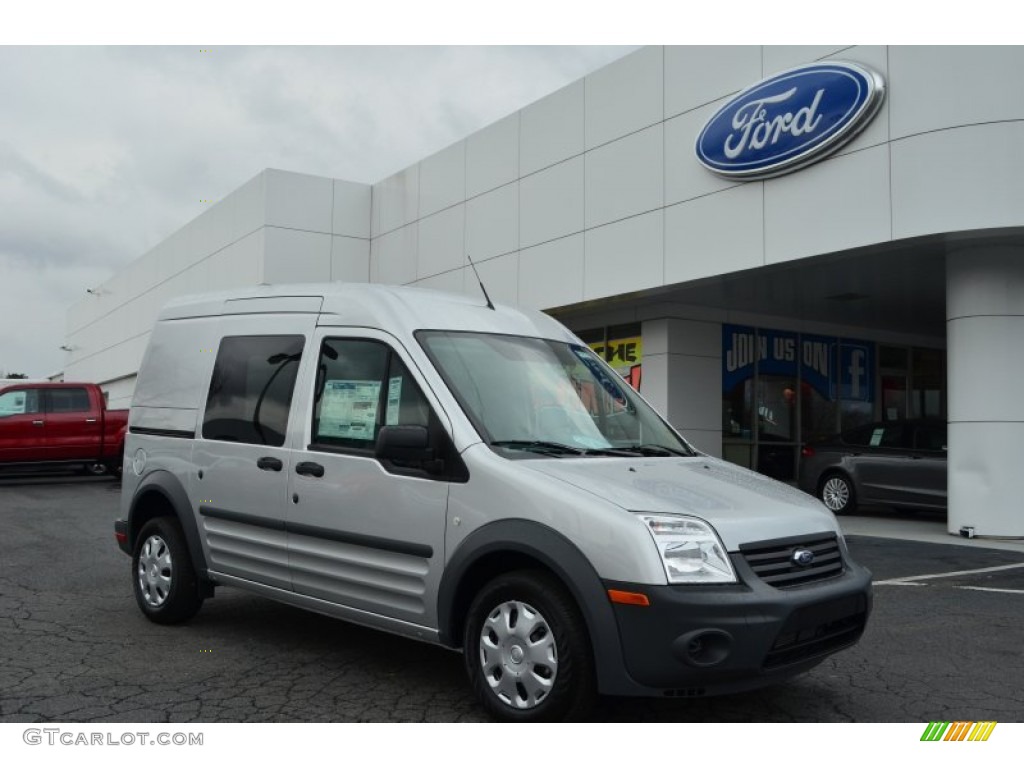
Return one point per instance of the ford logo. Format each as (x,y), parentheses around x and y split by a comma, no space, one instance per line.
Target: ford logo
(790,120)
(802,557)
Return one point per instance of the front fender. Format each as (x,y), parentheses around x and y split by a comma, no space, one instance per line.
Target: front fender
(558,554)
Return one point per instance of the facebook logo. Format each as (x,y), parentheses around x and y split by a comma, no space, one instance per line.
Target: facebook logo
(857,370)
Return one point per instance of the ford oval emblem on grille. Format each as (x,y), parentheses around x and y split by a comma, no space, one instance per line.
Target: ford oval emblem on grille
(802,557)
(790,120)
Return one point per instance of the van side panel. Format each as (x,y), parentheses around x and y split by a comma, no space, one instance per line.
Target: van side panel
(176,368)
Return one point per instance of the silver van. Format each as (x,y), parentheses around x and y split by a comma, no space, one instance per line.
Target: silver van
(472,476)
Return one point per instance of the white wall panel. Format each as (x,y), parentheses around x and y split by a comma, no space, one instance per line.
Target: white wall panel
(396,201)
(213,228)
(393,256)
(299,201)
(715,234)
(492,223)
(443,179)
(551,203)
(678,336)
(625,177)
(351,209)
(990,345)
(350,259)
(624,96)
(492,156)
(696,75)
(984,476)
(780,57)
(450,282)
(248,206)
(294,256)
(685,178)
(551,275)
(840,203)
(964,178)
(551,129)
(946,86)
(442,238)
(239,264)
(625,256)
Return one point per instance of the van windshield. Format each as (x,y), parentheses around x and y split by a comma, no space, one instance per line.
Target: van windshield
(543,397)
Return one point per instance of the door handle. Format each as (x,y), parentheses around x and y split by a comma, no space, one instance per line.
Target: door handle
(310,468)
(37,423)
(270,463)
(90,421)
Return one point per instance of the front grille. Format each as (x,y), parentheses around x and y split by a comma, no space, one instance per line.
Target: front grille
(772,561)
(817,630)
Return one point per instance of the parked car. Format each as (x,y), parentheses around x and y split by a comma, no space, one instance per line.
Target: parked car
(471,476)
(892,463)
(47,424)
(44,424)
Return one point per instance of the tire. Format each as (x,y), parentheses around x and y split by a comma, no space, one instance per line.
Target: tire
(836,492)
(163,577)
(527,651)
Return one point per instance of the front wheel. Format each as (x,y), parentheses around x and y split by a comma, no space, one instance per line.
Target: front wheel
(527,651)
(836,491)
(164,579)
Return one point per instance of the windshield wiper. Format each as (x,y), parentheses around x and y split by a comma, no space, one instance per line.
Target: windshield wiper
(539,446)
(560,449)
(650,449)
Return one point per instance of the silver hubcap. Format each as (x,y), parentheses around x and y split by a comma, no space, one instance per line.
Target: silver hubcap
(155,571)
(835,494)
(518,655)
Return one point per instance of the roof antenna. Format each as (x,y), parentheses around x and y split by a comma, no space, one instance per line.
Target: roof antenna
(489,304)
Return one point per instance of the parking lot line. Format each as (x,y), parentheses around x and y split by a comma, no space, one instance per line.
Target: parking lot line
(905,581)
(994,589)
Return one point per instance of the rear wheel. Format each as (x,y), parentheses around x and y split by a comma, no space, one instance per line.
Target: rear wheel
(836,491)
(527,651)
(164,579)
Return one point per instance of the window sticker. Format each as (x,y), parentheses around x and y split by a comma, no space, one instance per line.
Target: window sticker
(348,409)
(394,401)
(876,437)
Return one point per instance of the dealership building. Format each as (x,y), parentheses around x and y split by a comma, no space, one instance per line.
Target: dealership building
(772,243)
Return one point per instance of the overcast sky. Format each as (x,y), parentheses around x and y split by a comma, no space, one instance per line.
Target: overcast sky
(104,152)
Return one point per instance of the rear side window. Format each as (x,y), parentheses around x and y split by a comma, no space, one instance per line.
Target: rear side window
(70,400)
(251,389)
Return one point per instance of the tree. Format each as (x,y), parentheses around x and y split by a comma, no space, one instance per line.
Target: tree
(16,376)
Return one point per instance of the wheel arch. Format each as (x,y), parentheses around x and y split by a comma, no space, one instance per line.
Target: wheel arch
(511,545)
(161,494)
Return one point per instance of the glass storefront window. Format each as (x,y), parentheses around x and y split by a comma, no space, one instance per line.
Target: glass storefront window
(621,346)
(928,382)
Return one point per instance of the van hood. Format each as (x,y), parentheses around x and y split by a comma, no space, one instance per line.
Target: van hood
(743,506)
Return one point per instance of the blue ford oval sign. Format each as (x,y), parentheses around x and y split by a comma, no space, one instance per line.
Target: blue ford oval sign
(790,120)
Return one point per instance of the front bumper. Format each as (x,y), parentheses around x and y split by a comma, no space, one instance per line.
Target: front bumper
(695,641)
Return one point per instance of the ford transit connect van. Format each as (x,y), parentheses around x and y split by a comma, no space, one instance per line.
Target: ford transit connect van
(472,476)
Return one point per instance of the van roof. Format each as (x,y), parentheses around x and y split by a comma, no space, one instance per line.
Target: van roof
(372,305)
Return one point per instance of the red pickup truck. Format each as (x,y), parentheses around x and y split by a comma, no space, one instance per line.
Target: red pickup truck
(65,423)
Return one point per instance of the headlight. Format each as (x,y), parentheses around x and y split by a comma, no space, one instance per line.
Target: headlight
(690,550)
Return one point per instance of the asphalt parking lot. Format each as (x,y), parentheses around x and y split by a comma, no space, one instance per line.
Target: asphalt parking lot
(74,646)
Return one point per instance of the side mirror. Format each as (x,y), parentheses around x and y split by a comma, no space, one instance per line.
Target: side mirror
(404,445)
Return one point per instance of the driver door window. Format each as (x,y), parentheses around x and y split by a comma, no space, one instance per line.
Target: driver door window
(363,386)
